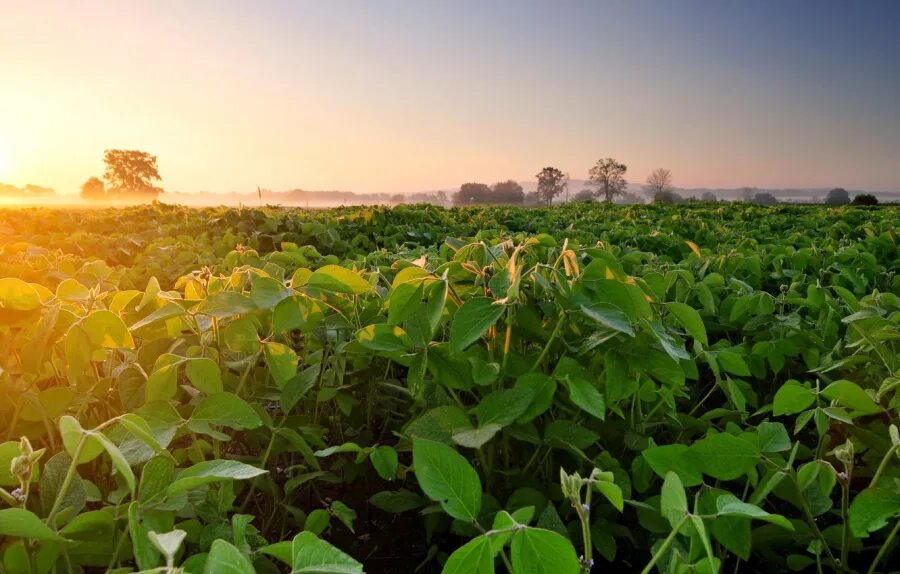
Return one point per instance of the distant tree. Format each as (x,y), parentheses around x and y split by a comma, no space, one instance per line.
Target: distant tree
(93,189)
(709,197)
(837,196)
(584,195)
(441,197)
(398,198)
(471,194)
(532,198)
(658,182)
(667,196)
(764,198)
(747,194)
(630,198)
(608,178)
(131,171)
(551,182)
(507,191)
(865,199)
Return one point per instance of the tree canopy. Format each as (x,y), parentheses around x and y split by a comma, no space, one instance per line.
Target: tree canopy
(131,172)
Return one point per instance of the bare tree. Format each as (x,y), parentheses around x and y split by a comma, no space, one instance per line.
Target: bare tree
(608,178)
(659,182)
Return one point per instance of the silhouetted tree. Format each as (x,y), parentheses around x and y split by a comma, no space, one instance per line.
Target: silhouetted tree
(551,182)
(660,181)
(93,189)
(667,196)
(507,191)
(584,195)
(837,196)
(471,194)
(131,171)
(865,199)
(709,197)
(608,177)
(747,194)
(764,198)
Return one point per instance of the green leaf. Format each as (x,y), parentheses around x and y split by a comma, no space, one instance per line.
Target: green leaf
(586,396)
(773,437)
(282,363)
(538,551)
(212,471)
(733,363)
(17,295)
(163,381)
(226,304)
(675,458)
(228,410)
(472,320)
(691,321)
(71,432)
(873,507)
(106,330)
(850,395)
(503,407)
(344,513)
(339,280)
(384,459)
(792,398)
(204,374)
(673,503)
(22,523)
(542,389)
(384,337)
(610,317)
(447,478)
(724,456)
(612,493)
(224,558)
(121,465)
(474,557)
(315,556)
(52,479)
(241,336)
(396,501)
(317,521)
(730,505)
(477,437)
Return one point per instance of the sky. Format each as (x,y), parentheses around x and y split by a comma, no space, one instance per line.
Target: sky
(402,96)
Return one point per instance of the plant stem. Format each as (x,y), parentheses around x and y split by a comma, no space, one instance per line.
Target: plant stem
(812,523)
(553,335)
(67,481)
(665,546)
(8,498)
(884,548)
(882,466)
(845,518)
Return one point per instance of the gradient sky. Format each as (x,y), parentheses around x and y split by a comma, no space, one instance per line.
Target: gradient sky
(400,96)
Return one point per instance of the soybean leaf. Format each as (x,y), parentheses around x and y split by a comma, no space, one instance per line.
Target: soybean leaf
(224,558)
(873,507)
(22,523)
(730,505)
(673,503)
(690,319)
(228,410)
(384,459)
(792,398)
(724,456)
(447,478)
(538,551)
(477,437)
(474,557)
(339,280)
(106,330)
(311,555)
(472,320)
(212,471)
